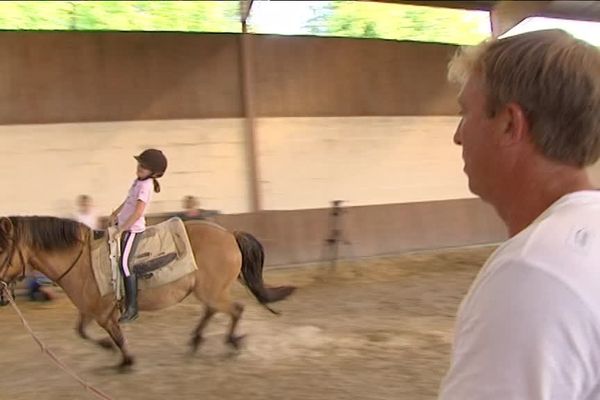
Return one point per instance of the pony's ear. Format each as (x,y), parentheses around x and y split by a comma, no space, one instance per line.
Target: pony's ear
(6,227)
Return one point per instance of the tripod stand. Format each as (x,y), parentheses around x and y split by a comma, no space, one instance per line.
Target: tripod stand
(336,234)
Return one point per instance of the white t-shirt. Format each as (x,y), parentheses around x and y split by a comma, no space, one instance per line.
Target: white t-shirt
(529,328)
(90,219)
(139,190)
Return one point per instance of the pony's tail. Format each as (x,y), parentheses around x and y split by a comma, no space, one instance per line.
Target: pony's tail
(253,258)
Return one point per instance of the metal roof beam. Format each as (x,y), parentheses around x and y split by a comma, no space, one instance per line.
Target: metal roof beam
(245,9)
(508,13)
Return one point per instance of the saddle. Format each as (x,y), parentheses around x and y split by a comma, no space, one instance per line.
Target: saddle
(163,255)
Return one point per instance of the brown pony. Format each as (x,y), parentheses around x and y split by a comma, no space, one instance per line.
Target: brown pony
(60,249)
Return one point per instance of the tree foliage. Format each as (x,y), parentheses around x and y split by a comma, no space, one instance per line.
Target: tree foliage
(399,22)
(192,16)
(330,18)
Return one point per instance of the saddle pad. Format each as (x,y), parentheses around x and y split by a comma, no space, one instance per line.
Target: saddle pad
(166,238)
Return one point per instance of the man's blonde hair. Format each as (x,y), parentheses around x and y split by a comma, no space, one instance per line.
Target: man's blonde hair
(554,77)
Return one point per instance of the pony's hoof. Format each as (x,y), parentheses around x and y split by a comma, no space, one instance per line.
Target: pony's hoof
(126,364)
(235,341)
(195,343)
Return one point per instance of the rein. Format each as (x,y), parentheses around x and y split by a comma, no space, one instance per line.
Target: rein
(72,265)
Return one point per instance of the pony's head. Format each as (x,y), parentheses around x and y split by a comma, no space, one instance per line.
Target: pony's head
(11,260)
(24,237)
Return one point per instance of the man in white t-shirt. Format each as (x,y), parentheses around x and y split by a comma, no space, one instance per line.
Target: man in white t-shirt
(529,328)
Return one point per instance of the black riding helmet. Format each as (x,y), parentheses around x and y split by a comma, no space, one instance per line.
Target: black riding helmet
(153,160)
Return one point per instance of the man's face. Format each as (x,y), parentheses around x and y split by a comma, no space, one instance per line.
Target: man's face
(477,133)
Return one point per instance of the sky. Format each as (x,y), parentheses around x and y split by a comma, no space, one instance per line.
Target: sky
(282,17)
(289,17)
(588,31)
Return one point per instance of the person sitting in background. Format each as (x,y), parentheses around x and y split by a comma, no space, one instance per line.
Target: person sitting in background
(85,212)
(190,207)
(191,211)
(39,287)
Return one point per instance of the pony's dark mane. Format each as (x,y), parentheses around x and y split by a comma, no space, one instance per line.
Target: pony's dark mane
(47,233)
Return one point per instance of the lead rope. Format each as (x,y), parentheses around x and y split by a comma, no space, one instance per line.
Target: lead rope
(97,392)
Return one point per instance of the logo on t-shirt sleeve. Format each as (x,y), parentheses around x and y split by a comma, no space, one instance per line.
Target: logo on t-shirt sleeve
(581,239)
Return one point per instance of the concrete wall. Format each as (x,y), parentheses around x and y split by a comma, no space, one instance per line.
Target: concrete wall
(44,167)
(305,162)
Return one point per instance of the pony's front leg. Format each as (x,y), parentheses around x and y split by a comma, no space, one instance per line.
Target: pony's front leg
(82,323)
(111,325)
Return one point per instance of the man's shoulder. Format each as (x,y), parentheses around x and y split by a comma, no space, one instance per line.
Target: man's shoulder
(566,235)
(563,248)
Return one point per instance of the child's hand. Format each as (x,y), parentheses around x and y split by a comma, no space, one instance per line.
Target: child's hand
(112,220)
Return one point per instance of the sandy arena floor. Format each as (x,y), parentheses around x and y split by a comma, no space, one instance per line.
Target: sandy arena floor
(373,329)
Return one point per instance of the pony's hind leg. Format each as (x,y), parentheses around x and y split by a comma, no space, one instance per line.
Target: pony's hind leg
(235,310)
(197,336)
(82,323)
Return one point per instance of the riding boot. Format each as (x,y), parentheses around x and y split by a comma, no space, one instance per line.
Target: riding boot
(131,299)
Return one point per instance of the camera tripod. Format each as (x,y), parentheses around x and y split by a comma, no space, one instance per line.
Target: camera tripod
(331,247)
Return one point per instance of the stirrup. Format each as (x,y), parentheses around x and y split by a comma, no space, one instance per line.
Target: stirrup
(128,318)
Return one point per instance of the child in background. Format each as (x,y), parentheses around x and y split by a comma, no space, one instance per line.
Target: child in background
(85,212)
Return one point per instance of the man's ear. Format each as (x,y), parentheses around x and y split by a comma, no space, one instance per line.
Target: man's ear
(516,126)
